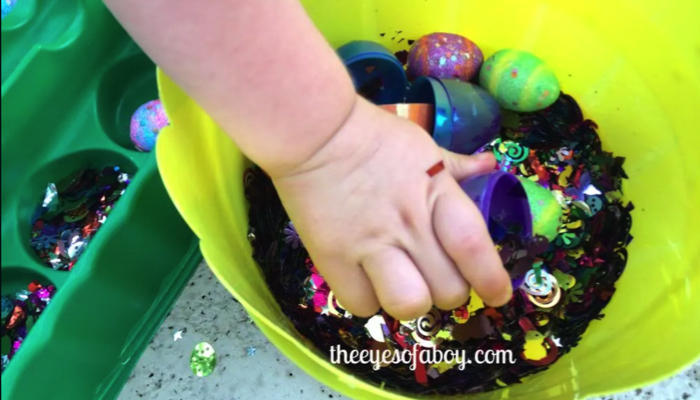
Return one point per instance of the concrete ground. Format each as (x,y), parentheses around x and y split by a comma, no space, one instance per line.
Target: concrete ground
(207,312)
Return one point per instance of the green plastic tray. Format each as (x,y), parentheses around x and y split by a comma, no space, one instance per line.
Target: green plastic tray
(71,79)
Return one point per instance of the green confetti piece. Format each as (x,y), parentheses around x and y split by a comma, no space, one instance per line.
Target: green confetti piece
(516,152)
(203,359)
(575,294)
(538,272)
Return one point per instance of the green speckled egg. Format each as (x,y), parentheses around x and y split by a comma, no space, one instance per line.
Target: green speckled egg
(519,81)
(547,215)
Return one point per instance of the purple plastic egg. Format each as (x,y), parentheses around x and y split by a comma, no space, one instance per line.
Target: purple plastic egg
(502,200)
(146,123)
(444,56)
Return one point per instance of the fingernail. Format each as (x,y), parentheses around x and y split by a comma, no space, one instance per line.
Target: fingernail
(487,156)
(505,297)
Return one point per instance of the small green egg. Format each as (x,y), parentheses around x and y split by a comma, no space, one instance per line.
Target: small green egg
(203,359)
(519,81)
(547,215)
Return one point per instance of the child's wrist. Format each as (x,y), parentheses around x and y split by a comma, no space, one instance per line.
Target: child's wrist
(303,155)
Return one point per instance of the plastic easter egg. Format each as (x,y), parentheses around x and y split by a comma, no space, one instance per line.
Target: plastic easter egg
(519,81)
(547,215)
(376,73)
(466,116)
(502,201)
(444,56)
(146,123)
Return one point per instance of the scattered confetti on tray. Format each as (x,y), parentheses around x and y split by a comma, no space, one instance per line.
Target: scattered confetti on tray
(19,313)
(72,211)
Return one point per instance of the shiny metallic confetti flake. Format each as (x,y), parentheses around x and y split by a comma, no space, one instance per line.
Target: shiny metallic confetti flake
(203,359)
(72,211)
(23,295)
(51,197)
(177,336)
(19,313)
(250,351)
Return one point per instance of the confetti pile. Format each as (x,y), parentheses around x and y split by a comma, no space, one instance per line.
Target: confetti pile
(560,286)
(19,313)
(72,211)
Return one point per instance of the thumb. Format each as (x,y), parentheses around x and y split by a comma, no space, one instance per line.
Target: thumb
(462,167)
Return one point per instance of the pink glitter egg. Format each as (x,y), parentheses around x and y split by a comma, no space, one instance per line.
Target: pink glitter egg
(444,56)
(146,123)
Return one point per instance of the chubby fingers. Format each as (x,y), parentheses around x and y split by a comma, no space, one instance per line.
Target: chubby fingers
(448,287)
(350,285)
(399,285)
(462,167)
(461,230)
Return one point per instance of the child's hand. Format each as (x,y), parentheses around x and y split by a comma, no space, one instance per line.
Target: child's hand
(381,230)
